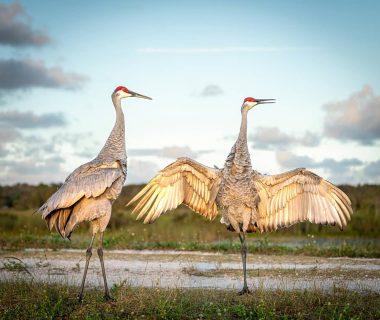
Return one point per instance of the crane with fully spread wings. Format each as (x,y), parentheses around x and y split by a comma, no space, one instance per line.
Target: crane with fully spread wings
(90,190)
(247,200)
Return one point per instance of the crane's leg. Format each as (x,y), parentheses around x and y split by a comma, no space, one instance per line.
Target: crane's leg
(88,256)
(107,295)
(244,260)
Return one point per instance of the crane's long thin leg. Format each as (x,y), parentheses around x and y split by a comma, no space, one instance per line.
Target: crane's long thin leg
(88,257)
(244,260)
(107,295)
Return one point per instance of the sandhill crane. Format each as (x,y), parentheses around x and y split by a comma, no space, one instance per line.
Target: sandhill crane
(248,200)
(90,190)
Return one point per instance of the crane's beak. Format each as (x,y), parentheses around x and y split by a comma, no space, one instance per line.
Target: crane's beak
(137,95)
(262,101)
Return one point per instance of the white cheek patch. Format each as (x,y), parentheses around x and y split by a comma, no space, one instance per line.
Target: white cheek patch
(250,104)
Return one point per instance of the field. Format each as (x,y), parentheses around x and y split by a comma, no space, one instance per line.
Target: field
(26,297)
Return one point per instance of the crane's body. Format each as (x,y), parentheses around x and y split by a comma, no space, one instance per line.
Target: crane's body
(236,196)
(248,201)
(90,190)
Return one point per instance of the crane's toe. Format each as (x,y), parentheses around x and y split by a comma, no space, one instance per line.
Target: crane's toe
(107,297)
(80,298)
(245,290)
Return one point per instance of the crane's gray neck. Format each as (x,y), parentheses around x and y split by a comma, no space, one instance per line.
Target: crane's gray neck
(114,148)
(239,156)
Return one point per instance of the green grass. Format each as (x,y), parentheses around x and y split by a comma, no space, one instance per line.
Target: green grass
(28,300)
(181,230)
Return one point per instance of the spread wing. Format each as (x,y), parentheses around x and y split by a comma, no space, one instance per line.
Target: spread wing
(89,180)
(184,181)
(299,195)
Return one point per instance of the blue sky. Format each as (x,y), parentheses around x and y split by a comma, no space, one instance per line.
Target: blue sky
(60,62)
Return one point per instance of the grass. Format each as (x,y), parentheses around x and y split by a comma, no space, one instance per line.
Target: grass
(181,230)
(15,264)
(28,300)
(120,240)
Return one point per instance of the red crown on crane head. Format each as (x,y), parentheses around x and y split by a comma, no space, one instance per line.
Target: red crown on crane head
(121,88)
(249,99)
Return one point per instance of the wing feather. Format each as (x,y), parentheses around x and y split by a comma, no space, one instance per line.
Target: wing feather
(184,181)
(299,195)
(92,181)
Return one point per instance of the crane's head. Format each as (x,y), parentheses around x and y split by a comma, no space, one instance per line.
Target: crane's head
(250,102)
(122,92)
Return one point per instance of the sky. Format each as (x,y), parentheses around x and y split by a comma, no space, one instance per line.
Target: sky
(61,60)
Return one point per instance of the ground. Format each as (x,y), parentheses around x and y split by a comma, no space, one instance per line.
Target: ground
(154,284)
(184,267)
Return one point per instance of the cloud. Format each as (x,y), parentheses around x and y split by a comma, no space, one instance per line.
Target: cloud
(28,73)
(30,120)
(8,134)
(372,171)
(223,50)
(32,171)
(168,152)
(356,119)
(272,138)
(211,90)
(32,158)
(176,152)
(143,152)
(141,171)
(14,32)
(11,125)
(291,160)
(350,170)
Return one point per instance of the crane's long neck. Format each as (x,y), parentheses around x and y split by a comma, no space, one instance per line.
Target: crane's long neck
(239,158)
(114,148)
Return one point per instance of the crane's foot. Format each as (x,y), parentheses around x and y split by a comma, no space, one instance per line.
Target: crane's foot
(245,290)
(107,297)
(80,298)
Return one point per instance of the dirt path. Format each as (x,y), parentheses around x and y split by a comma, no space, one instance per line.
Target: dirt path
(193,269)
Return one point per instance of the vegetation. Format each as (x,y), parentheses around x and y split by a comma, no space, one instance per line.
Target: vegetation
(180,231)
(184,230)
(365,201)
(28,300)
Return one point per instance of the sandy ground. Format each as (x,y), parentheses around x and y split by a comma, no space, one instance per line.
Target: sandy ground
(192,269)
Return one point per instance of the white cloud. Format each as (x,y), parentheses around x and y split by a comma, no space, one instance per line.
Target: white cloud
(140,171)
(211,90)
(372,171)
(172,152)
(272,138)
(356,119)
(32,170)
(8,135)
(176,152)
(32,158)
(350,171)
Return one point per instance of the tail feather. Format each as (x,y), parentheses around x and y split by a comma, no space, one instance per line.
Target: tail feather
(50,220)
(59,219)
(70,225)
